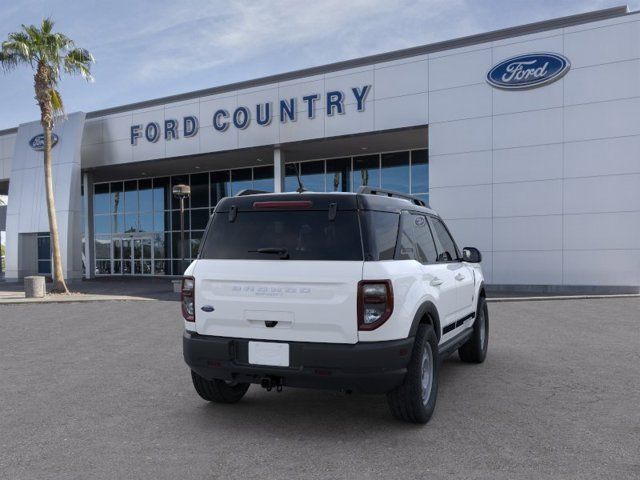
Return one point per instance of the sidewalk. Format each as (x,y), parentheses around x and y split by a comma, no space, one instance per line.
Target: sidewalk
(103,289)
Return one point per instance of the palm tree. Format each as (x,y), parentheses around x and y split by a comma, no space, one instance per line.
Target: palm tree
(48,54)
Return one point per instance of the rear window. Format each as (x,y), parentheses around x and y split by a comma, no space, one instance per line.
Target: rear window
(294,235)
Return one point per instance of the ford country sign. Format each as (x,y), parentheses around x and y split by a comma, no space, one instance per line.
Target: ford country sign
(528,71)
(37,142)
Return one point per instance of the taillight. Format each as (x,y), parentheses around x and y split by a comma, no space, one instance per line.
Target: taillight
(375,303)
(187,299)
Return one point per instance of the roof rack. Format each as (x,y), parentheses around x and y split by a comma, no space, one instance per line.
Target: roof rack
(390,193)
(249,191)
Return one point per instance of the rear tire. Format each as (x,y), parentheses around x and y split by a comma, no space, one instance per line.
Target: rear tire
(475,350)
(218,391)
(415,400)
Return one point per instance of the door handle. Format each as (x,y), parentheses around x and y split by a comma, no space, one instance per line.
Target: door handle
(436,282)
(459,277)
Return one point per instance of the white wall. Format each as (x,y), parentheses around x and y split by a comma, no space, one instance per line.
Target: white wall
(7,144)
(545,181)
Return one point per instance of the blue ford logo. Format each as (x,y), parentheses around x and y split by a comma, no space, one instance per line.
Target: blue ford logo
(528,71)
(37,142)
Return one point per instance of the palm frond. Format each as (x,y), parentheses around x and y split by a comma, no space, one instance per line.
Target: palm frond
(78,61)
(56,102)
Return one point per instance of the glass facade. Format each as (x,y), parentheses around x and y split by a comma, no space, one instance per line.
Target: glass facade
(137,222)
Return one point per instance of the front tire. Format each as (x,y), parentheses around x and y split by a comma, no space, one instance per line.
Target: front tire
(218,391)
(415,400)
(475,350)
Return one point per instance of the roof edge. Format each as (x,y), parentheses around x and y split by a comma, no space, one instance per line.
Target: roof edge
(529,28)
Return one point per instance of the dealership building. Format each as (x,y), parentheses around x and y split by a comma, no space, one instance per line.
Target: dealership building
(526,140)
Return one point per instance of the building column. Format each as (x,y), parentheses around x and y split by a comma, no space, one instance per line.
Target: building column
(87,207)
(278,170)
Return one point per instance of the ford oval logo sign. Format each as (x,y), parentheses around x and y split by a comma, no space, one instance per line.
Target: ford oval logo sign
(528,71)
(37,142)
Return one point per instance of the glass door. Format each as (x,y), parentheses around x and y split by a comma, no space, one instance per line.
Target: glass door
(142,256)
(132,255)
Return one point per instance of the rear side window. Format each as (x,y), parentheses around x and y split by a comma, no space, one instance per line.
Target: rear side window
(382,228)
(294,235)
(416,241)
(447,250)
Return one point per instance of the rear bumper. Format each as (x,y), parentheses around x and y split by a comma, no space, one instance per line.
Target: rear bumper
(375,367)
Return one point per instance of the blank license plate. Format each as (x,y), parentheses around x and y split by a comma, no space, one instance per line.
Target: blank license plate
(267,353)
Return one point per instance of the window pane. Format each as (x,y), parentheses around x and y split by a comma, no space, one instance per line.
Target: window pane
(383,232)
(426,248)
(117,248)
(338,175)
(101,198)
(126,248)
(200,190)
(220,186)
(160,267)
(117,268)
(161,194)
(103,267)
(44,247)
(103,247)
(305,235)
(313,175)
(44,266)
(145,195)
(366,171)
(130,222)
(199,218)
(175,220)
(159,242)
(175,245)
(447,250)
(117,223)
(146,222)
(116,197)
(395,171)
(420,171)
(195,243)
(263,178)
(161,221)
(101,224)
(131,196)
(290,179)
(240,180)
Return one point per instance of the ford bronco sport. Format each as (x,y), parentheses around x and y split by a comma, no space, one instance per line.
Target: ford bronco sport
(362,292)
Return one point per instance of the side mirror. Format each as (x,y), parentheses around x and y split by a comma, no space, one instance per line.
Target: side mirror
(471,255)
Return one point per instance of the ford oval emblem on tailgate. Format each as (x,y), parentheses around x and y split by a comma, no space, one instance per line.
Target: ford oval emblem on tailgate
(207,308)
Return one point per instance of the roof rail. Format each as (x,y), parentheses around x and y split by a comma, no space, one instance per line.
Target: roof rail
(390,193)
(249,191)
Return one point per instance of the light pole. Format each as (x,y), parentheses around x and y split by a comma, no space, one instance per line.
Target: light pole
(181,192)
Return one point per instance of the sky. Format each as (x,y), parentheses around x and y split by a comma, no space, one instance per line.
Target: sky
(148,49)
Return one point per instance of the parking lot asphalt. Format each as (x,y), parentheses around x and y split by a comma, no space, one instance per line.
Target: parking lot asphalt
(100,390)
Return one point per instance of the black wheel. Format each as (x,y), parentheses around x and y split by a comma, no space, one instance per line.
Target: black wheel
(475,350)
(415,400)
(218,391)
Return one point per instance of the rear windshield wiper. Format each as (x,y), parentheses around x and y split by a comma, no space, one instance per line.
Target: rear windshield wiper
(283,253)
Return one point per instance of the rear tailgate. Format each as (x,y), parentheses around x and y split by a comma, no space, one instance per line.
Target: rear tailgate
(285,300)
(281,267)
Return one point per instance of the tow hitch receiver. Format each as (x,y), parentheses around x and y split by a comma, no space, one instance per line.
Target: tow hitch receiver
(269,383)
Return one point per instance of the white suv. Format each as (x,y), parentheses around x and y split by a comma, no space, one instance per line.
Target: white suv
(358,291)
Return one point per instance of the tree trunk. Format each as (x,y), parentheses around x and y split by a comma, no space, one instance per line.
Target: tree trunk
(59,285)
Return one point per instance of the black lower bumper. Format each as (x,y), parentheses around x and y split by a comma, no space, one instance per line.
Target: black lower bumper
(375,367)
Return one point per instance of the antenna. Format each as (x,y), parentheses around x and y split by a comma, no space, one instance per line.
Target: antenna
(300,188)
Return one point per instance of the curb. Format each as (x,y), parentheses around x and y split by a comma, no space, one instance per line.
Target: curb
(560,297)
(45,300)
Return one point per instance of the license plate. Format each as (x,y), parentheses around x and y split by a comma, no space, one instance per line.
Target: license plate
(268,353)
